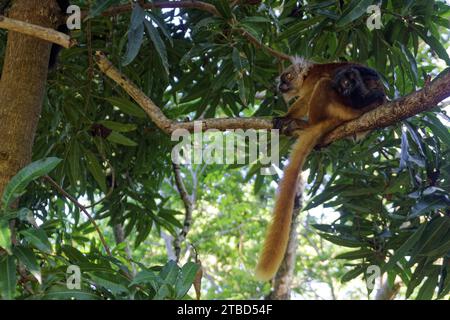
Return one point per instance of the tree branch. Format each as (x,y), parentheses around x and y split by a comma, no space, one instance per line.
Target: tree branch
(191,4)
(188,206)
(36,31)
(398,110)
(383,116)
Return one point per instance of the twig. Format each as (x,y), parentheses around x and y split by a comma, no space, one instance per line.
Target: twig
(82,208)
(36,31)
(258,44)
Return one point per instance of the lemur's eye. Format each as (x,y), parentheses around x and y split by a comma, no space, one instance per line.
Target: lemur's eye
(289,76)
(346,82)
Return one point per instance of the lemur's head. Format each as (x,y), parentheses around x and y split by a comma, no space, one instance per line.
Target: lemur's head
(346,81)
(291,80)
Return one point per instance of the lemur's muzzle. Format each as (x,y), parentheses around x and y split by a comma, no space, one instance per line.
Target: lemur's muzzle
(284,87)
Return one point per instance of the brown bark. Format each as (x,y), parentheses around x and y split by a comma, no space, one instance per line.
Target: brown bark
(22,86)
(188,202)
(386,292)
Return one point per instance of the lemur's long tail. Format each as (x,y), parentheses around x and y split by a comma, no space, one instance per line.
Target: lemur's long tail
(278,233)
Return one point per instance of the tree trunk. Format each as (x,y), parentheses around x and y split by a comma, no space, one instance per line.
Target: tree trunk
(22,86)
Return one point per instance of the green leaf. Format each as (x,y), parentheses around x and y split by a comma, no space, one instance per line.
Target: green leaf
(146,276)
(20,181)
(117,126)
(38,238)
(357,10)
(352,243)
(127,106)
(96,170)
(242,91)
(135,34)
(428,289)
(439,129)
(112,282)
(434,43)
(121,139)
(299,27)
(404,248)
(435,234)
(354,255)
(158,43)
(185,278)
(5,236)
(236,56)
(27,257)
(169,272)
(74,255)
(255,19)
(8,277)
(161,25)
(62,293)
(352,274)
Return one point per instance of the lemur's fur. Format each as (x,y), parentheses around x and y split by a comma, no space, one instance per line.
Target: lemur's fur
(326,103)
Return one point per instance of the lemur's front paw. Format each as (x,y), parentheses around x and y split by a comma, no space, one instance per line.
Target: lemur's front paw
(280,122)
(288,126)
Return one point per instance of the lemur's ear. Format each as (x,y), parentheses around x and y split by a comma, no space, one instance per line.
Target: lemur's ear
(297,61)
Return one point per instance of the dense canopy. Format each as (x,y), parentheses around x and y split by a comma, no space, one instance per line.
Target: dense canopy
(103,195)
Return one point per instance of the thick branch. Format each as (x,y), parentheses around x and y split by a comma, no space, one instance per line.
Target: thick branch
(192,4)
(36,31)
(384,116)
(398,110)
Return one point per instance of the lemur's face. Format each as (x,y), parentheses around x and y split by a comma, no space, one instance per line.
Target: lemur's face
(347,82)
(291,80)
(286,80)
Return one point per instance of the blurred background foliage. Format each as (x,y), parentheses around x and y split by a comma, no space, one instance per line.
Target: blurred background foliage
(382,201)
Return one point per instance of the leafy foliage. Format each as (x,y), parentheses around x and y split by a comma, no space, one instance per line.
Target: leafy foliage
(389,193)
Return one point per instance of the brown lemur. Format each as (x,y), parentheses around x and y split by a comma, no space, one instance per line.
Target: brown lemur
(327,95)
